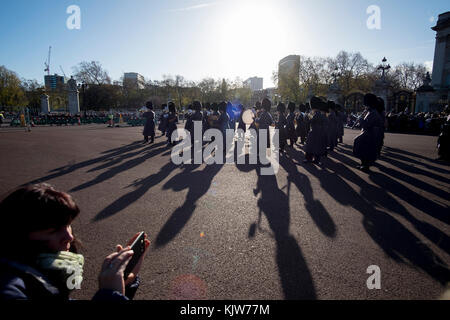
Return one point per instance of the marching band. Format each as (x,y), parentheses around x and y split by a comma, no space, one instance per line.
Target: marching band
(318,126)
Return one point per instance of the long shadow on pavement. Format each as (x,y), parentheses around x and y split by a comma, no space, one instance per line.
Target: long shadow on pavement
(411,154)
(296,280)
(395,240)
(111,172)
(142,185)
(316,210)
(379,196)
(198,183)
(413,198)
(295,277)
(389,157)
(55,173)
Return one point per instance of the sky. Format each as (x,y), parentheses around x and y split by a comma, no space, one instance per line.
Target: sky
(209,38)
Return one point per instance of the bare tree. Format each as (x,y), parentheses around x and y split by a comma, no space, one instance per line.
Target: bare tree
(351,67)
(410,75)
(91,73)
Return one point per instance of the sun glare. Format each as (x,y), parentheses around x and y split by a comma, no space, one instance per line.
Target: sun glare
(253,34)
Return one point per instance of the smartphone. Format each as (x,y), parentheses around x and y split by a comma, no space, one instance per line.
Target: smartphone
(138,247)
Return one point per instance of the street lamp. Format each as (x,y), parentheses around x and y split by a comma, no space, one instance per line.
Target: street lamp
(384,68)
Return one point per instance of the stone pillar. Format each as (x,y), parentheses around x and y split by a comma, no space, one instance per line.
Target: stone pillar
(73,95)
(441,51)
(382,90)
(45,106)
(425,96)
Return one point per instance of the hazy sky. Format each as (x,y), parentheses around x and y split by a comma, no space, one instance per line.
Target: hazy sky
(201,38)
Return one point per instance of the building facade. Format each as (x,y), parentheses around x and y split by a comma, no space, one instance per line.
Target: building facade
(53,82)
(289,67)
(254,83)
(135,78)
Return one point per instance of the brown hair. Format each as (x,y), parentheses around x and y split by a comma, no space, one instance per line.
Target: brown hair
(33,208)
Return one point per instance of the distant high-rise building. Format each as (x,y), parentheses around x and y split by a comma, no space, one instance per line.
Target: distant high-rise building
(254,83)
(53,82)
(135,78)
(288,70)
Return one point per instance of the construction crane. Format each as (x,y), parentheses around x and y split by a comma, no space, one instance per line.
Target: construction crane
(63,72)
(47,64)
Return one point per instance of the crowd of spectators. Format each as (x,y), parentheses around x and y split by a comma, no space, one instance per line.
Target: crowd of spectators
(404,122)
(65,119)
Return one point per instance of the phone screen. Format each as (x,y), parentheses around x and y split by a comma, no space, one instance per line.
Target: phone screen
(138,248)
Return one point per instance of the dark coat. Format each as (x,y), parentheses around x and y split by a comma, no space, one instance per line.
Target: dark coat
(149,127)
(172,121)
(316,143)
(163,122)
(196,116)
(281,126)
(265,120)
(365,146)
(22,282)
(302,125)
(332,130)
(290,126)
(189,126)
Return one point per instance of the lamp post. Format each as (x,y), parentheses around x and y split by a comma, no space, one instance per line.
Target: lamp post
(384,68)
(83,91)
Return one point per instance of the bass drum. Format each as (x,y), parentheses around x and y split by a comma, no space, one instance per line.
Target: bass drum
(248,117)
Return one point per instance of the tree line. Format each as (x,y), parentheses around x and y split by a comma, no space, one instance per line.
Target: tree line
(98,92)
(351,71)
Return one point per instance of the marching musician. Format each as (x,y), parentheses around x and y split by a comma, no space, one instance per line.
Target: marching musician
(223,123)
(290,126)
(316,142)
(365,145)
(264,120)
(149,127)
(281,125)
(302,124)
(172,120)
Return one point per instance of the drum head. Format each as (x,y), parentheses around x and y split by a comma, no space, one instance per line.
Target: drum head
(248,117)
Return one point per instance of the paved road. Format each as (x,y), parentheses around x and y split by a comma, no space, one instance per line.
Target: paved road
(225,232)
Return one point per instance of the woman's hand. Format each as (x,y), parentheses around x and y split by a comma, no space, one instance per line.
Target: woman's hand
(111,274)
(137,268)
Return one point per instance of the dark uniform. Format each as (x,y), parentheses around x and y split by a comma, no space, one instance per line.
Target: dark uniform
(149,127)
(281,126)
(365,146)
(316,143)
(290,128)
(172,120)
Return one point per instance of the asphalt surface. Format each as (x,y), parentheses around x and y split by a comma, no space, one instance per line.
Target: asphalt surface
(226,232)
